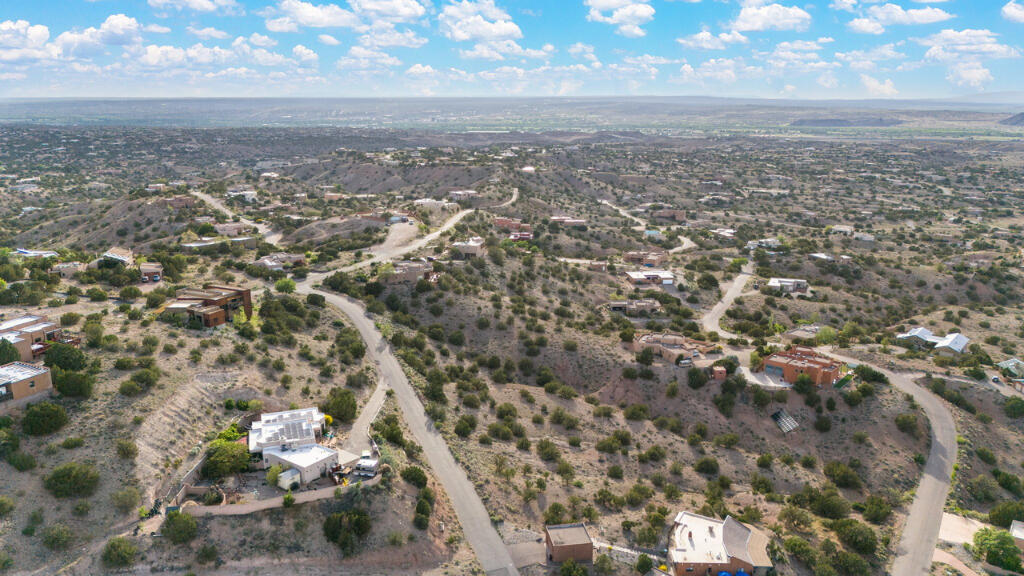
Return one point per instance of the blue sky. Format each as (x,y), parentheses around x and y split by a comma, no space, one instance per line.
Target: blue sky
(759,48)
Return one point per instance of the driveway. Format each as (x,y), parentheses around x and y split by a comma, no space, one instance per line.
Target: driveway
(921,531)
(475,520)
(712,319)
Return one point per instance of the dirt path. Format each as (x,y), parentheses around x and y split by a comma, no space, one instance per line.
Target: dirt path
(271,503)
(264,229)
(711,322)
(943,557)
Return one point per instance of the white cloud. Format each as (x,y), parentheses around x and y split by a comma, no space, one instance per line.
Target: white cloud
(866,59)
(421,70)
(386,35)
(22,34)
(500,49)
(628,16)
(389,10)
(305,55)
(971,74)
(156,29)
(705,40)
(363,58)
(877,87)
(469,20)
(845,5)
(725,70)
(196,5)
(757,16)
(969,44)
(1013,11)
(866,26)
(257,39)
(116,30)
(292,14)
(585,52)
(209,33)
(828,80)
(328,40)
(888,14)
(162,56)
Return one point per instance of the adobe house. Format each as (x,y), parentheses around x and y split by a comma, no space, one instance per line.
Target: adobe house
(21,381)
(569,542)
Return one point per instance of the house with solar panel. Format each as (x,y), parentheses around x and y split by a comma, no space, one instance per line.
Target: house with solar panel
(291,439)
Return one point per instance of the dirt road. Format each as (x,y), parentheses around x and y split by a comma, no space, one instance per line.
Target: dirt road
(264,229)
(712,319)
(921,531)
(386,252)
(475,520)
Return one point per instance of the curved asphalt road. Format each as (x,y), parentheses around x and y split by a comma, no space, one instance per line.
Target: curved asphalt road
(710,322)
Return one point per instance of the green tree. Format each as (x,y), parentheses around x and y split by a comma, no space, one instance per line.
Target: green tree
(43,418)
(604,565)
(73,384)
(119,552)
(65,357)
(571,568)
(340,404)
(644,564)
(224,458)
(996,547)
(8,353)
(273,473)
(285,285)
(73,479)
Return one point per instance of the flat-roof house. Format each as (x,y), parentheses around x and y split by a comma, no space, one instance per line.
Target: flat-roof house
(514,224)
(788,285)
(792,363)
(115,254)
(462,194)
(434,204)
(20,381)
(474,247)
(842,229)
(635,307)
(568,542)
(639,277)
(648,258)
(408,272)
(1017,532)
(290,438)
(214,305)
(231,229)
(699,545)
(767,243)
(67,270)
(151,271)
(568,220)
(31,335)
(671,346)
(281,260)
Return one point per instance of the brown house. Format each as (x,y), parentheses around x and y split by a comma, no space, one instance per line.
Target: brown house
(790,364)
(214,305)
(151,271)
(21,381)
(31,335)
(569,542)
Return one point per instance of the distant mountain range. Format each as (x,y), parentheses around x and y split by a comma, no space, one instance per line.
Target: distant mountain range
(1016,120)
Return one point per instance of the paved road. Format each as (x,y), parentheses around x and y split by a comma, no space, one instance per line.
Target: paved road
(475,520)
(921,531)
(382,253)
(626,214)
(712,319)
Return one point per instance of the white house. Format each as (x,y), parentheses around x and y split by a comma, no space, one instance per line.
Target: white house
(290,439)
(952,344)
(788,285)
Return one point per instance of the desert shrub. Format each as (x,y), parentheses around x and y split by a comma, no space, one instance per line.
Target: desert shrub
(6,506)
(125,500)
(224,458)
(842,475)
(65,357)
(996,547)
(415,475)
(127,449)
(347,528)
(706,465)
(43,418)
(119,552)
(179,527)
(73,479)
(21,461)
(857,536)
(907,423)
(57,537)
(340,404)
(73,384)
(547,450)
(1002,514)
(876,509)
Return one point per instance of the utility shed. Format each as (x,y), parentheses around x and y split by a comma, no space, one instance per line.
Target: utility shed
(569,542)
(289,479)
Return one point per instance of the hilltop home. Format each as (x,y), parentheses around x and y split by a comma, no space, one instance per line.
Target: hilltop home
(457,195)
(514,224)
(671,346)
(634,307)
(568,542)
(32,335)
(790,364)
(280,260)
(408,272)
(231,229)
(151,271)
(568,220)
(214,305)
(640,277)
(649,258)
(20,381)
(951,345)
(67,270)
(117,255)
(474,247)
(788,285)
(766,243)
(699,546)
(290,439)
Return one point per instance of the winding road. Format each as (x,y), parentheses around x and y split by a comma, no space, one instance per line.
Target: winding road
(711,321)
